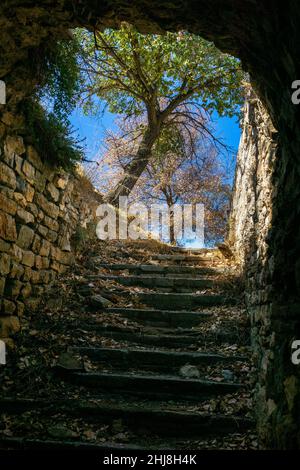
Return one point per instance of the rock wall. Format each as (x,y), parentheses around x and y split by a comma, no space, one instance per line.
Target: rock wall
(40,209)
(251,205)
(274,327)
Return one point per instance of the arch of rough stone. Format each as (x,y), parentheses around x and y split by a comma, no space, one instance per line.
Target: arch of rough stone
(265,36)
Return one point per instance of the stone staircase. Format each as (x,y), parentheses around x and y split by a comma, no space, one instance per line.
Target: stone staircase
(162,381)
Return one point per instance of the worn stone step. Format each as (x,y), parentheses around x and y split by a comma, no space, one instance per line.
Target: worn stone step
(154,418)
(179,258)
(174,318)
(147,359)
(163,270)
(165,301)
(166,337)
(152,387)
(161,281)
(22,443)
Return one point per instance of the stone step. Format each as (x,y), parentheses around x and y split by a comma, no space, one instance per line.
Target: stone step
(164,301)
(152,387)
(150,360)
(179,258)
(165,337)
(163,270)
(160,281)
(173,318)
(155,418)
(22,443)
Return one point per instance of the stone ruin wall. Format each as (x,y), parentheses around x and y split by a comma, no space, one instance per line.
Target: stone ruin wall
(250,229)
(40,210)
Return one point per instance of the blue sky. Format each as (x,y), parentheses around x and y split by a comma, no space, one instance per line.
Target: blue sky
(92,129)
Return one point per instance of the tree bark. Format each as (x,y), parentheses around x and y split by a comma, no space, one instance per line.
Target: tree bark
(135,168)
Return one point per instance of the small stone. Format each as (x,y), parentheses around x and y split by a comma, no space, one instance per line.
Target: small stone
(7,205)
(228,375)
(20,199)
(7,176)
(99,301)
(28,258)
(189,372)
(16,270)
(8,307)
(8,229)
(52,192)
(45,248)
(26,291)
(28,171)
(34,158)
(25,237)
(67,361)
(60,431)
(61,181)
(24,217)
(4,263)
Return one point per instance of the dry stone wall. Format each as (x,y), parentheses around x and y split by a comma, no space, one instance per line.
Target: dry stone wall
(274,326)
(40,209)
(251,205)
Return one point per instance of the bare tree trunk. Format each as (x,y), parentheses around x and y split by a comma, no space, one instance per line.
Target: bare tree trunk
(135,168)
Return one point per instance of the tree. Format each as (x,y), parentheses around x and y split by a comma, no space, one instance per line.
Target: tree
(185,167)
(160,78)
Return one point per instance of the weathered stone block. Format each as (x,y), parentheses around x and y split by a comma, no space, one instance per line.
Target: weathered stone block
(25,188)
(26,291)
(42,262)
(13,145)
(36,244)
(24,217)
(51,236)
(48,207)
(4,263)
(20,308)
(4,246)
(61,181)
(28,171)
(8,307)
(31,207)
(25,237)
(45,248)
(34,158)
(7,176)
(9,326)
(52,192)
(16,270)
(8,229)
(42,230)
(28,273)
(20,199)
(28,258)
(51,223)
(16,253)
(40,181)
(7,205)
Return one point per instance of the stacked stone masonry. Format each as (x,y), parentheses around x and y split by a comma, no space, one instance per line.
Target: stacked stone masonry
(40,210)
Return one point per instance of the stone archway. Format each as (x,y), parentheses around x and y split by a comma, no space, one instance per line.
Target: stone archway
(265,36)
